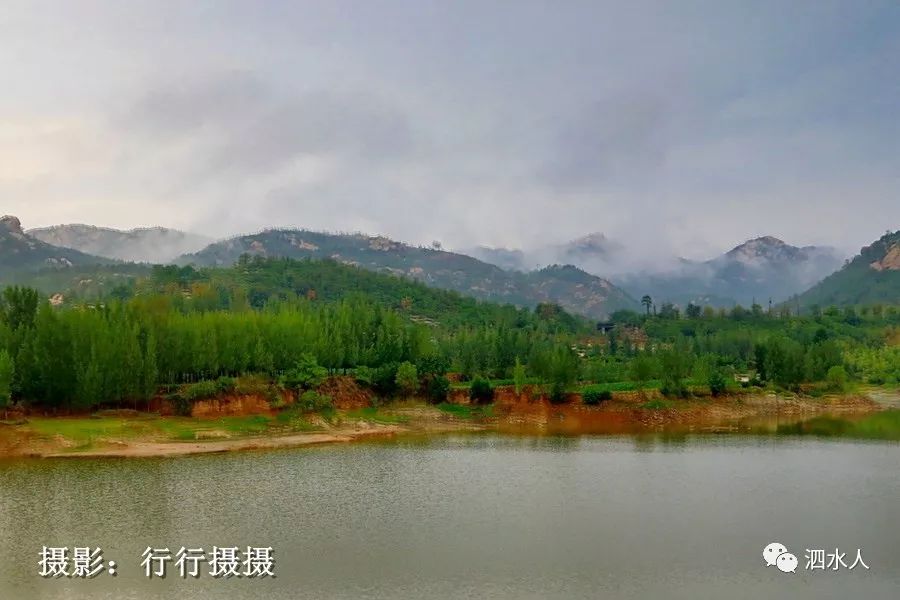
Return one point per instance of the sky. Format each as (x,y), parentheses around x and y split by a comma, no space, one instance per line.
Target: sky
(677,128)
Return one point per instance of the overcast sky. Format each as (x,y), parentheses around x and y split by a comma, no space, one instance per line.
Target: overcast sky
(680,126)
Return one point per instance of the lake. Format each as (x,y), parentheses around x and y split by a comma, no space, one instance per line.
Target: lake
(473,516)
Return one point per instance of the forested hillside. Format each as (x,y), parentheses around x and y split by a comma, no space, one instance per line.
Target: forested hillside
(257,282)
(289,324)
(574,289)
(872,277)
(21,254)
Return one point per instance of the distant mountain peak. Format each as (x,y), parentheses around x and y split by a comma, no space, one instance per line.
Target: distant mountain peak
(142,244)
(769,249)
(591,240)
(12,225)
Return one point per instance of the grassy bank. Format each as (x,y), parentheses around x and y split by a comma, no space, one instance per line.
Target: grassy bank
(883,425)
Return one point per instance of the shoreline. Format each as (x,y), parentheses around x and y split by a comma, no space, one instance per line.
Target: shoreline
(747,414)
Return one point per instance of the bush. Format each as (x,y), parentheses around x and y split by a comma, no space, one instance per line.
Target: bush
(438,389)
(364,376)
(407,378)
(199,391)
(481,391)
(836,378)
(306,374)
(225,384)
(717,383)
(594,397)
(558,393)
(312,401)
(384,379)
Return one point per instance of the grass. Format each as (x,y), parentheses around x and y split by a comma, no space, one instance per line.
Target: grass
(467,411)
(85,431)
(623,386)
(376,415)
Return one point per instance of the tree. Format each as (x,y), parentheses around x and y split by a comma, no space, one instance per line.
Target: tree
(837,378)
(693,311)
(19,306)
(519,376)
(675,365)
(6,379)
(407,378)
(716,382)
(669,311)
(438,389)
(306,374)
(647,301)
(481,391)
(642,369)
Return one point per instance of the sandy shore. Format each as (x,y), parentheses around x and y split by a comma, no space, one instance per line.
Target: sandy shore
(148,449)
(624,415)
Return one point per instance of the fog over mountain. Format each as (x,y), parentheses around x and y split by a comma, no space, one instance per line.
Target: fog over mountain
(757,270)
(145,244)
(676,129)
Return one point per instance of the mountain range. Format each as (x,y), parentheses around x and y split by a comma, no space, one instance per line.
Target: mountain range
(20,252)
(578,275)
(149,245)
(755,271)
(568,286)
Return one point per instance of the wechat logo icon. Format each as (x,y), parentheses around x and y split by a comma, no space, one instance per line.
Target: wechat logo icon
(777,555)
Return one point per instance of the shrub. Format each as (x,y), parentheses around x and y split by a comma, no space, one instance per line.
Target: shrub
(481,391)
(306,374)
(384,379)
(312,401)
(438,389)
(199,391)
(836,378)
(593,397)
(407,378)
(558,393)
(180,405)
(364,376)
(225,384)
(717,383)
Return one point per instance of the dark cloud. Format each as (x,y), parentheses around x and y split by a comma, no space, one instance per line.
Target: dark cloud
(677,129)
(623,137)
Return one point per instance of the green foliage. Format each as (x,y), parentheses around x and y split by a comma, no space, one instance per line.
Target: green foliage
(438,389)
(18,307)
(836,378)
(593,397)
(481,391)
(201,390)
(313,401)
(643,368)
(306,373)
(6,378)
(519,376)
(717,382)
(675,367)
(407,378)
(858,283)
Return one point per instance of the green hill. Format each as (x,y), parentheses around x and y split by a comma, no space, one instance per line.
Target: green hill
(22,254)
(571,288)
(872,277)
(257,282)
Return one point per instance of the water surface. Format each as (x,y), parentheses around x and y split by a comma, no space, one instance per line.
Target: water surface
(474,516)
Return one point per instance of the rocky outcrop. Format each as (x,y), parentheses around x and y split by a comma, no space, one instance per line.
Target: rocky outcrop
(890,262)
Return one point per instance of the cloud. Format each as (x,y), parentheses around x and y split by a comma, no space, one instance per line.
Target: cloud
(622,137)
(674,130)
